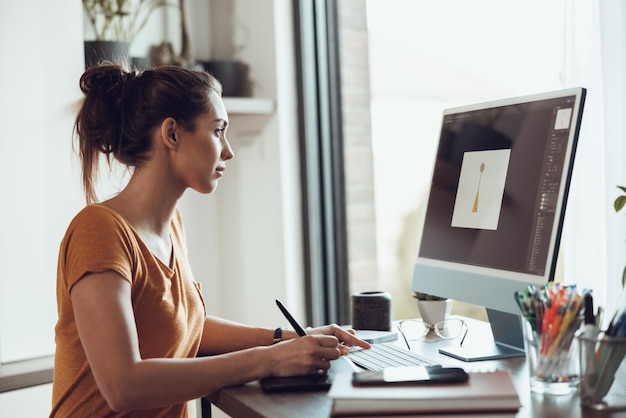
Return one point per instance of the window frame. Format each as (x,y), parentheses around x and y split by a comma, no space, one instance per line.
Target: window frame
(322,167)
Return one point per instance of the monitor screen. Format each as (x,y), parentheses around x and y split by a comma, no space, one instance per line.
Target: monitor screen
(493,218)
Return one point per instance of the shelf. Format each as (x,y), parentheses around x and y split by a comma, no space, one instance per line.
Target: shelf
(248,105)
(26,373)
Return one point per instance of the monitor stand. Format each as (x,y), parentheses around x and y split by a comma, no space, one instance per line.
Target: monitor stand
(508,340)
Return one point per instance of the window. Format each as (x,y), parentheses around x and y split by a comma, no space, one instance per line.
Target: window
(402,63)
(321,147)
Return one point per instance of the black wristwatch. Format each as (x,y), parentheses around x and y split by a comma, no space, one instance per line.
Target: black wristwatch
(278,335)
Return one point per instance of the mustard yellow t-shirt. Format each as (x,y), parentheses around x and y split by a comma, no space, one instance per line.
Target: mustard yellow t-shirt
(167,303)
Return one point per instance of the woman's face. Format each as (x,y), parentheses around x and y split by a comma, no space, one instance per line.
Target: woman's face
(202,154)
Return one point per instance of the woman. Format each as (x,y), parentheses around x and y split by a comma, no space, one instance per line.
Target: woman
(132,335)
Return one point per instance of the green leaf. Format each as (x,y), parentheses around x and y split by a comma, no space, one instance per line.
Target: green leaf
(619,203)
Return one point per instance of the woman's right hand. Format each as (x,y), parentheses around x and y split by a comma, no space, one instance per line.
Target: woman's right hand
(304,355)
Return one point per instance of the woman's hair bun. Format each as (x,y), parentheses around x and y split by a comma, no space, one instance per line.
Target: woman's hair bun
(105,81)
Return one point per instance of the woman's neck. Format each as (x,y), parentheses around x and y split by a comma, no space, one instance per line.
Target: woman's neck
(148,201)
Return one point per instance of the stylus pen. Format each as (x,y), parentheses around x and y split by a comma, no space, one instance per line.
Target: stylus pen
(301,332)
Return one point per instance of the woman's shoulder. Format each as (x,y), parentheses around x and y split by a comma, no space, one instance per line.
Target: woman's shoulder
(96,215)
(99,228)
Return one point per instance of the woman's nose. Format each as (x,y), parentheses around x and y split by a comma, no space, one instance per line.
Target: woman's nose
(227,152)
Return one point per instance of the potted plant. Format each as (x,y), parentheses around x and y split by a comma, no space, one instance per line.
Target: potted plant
(433,308)
(115,24)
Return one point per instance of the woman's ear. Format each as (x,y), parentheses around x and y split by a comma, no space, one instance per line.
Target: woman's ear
(167,133)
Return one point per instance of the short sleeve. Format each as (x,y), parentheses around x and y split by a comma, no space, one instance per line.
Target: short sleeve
(96,241)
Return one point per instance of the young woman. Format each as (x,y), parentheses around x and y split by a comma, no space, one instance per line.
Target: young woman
(132,338)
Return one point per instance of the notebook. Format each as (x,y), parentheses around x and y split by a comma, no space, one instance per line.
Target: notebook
(375,337)
(483,392)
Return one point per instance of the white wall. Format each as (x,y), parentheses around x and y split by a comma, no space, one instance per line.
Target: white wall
(26,403)
(41,62)
(244,240)
(254,255)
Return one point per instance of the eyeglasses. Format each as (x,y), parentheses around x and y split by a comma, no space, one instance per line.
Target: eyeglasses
(448,329)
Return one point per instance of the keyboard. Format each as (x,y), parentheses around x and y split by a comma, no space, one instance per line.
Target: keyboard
(383,355)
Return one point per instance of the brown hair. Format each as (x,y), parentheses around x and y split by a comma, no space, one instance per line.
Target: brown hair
(122,108)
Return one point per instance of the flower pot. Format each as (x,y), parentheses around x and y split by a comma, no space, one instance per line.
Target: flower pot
(233,75)
(433,311)
(98,51)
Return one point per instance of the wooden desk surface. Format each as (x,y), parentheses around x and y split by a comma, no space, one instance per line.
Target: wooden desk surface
(250,402)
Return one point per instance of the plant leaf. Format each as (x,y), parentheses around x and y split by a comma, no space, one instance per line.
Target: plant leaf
(619,203)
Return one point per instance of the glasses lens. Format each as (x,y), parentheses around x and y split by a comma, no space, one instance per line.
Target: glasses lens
(449,328)
(413,330)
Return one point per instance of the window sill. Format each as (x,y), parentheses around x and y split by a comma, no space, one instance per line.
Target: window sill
(248,105)
(26,373)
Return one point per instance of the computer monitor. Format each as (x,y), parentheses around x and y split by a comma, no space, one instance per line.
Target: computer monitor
(494,214)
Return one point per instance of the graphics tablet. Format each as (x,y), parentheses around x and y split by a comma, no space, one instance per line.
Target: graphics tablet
(317,381)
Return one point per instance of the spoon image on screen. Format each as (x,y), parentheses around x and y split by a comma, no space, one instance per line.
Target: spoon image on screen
(475,208)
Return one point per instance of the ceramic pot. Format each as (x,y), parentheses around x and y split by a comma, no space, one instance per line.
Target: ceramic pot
(233,75)
(98,51)
(433,311)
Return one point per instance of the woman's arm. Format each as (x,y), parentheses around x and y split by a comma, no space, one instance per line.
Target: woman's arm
(106,326)
(223,336)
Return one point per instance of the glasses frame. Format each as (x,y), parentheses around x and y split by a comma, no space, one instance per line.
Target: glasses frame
(434,327)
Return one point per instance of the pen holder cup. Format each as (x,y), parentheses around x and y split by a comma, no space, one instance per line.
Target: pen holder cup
(554,369)
(603,372)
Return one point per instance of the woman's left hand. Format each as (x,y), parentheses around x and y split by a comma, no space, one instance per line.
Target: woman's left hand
(346,338)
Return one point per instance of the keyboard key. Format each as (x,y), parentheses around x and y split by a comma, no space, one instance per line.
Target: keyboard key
(388,355)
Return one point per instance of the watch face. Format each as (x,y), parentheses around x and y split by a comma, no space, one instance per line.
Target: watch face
(278,335)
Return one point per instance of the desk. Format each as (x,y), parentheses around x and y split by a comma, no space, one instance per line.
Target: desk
(250,402)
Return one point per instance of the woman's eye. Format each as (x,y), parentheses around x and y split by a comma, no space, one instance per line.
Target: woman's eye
(219,131)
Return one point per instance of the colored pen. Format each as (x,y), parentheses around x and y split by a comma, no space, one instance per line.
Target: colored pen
(299,330)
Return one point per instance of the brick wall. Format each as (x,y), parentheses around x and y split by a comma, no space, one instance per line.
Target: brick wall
(358,158)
